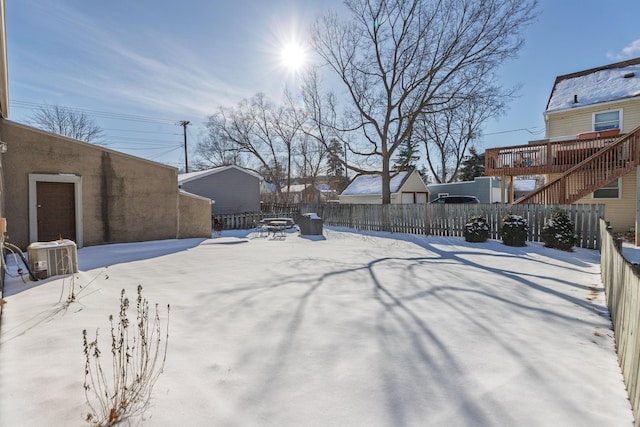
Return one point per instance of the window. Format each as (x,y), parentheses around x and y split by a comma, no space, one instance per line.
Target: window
(606,120)
(609,191)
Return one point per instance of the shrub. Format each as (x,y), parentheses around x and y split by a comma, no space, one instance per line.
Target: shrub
(476,229)
(514,230)
(124,390)
(558,231)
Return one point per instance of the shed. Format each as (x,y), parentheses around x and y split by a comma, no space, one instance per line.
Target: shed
(406,187)
(232,188)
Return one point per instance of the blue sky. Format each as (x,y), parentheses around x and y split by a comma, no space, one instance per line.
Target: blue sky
(139,67)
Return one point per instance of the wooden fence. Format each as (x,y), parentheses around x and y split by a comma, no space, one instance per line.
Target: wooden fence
(622,288)
(436,219)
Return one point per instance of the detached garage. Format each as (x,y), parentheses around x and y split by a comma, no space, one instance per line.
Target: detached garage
(406,187)
(232,188)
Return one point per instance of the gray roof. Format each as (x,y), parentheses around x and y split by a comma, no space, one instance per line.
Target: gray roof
(186,177)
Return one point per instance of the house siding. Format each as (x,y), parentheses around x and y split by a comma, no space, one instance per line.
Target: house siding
(414,184)
(233,190)
(621,213)
(573,122)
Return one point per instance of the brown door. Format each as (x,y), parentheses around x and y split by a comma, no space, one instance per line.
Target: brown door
(56,211)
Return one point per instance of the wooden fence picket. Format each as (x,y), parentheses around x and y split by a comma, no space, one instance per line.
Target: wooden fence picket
(436,219)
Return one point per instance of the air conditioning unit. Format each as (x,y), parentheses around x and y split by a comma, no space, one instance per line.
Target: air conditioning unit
(48,259)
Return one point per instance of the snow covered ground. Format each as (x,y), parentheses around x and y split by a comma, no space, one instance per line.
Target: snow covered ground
(345,329)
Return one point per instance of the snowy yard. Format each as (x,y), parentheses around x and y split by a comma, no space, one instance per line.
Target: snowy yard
(353,329)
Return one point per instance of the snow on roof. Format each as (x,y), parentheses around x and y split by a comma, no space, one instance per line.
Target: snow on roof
(608,83)
(186,193)
(297,188)
(186,177)
(372,184)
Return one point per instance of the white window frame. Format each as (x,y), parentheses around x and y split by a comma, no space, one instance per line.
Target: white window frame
(619,181)
(593,119)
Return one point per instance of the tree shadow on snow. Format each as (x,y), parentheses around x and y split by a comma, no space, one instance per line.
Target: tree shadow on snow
(402,323)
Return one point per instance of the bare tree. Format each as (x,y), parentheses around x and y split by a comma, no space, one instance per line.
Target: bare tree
(399,60)
(447,135)
(67,122)
(286,128)
(257,129)
(216,150)
(309,158)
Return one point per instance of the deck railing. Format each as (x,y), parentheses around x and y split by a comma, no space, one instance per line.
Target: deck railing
(610,162)
(545,157)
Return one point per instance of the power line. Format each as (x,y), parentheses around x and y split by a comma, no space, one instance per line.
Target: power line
(140,131)
(123,141)
(156,156)
(96,113)
(533,131)
(124,138)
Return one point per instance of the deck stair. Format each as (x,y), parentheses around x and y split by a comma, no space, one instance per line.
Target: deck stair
(608,162)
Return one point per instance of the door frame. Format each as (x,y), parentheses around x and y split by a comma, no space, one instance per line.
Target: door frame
(76,180)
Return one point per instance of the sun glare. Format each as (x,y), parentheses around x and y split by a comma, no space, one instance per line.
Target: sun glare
(293,56)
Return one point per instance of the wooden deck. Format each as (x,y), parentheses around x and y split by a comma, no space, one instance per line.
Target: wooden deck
(539,158)
(584,164)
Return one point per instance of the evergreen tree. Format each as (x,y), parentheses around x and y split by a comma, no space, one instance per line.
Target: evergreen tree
(407,157)
(335,167)
(472,166)
(558,232)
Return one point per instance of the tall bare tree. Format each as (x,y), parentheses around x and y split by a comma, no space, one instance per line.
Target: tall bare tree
(399,60)
(215,150)
(263,133)
(287,129)
(309,158)
(67,122)
(448,135)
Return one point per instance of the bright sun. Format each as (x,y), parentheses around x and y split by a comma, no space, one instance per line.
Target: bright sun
(293,56)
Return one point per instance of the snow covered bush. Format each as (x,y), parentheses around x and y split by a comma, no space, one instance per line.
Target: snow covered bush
(138,359)
(558,232)
(514,230)
(476,229)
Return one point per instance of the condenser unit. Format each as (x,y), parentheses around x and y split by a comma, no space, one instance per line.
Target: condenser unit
(48,259)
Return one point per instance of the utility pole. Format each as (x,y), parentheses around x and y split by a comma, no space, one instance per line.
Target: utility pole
(184,124)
